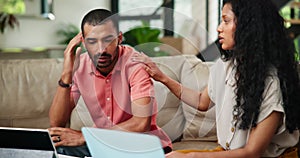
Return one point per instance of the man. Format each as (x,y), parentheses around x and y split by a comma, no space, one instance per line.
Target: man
(119,93)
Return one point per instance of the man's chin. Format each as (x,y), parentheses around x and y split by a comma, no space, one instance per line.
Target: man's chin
(101,66)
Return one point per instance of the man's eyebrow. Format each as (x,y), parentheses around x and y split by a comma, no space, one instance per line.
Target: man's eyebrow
(109,36)
(104,38)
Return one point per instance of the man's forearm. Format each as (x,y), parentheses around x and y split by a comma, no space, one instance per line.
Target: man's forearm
(63,103)
(61,108)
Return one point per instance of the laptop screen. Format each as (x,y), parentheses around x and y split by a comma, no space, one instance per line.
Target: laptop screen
(25,139)
(26,142)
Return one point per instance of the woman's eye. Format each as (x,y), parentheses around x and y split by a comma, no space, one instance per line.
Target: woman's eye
(226,20)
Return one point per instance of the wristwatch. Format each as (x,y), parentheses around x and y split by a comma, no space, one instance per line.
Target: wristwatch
(64,85)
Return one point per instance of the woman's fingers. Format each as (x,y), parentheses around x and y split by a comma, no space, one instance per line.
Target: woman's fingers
(141,57)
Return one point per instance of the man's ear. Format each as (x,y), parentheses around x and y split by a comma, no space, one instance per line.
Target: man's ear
(82,41)
(120,38)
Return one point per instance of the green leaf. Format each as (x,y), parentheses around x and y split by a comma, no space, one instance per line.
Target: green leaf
(143,38)
(67,32)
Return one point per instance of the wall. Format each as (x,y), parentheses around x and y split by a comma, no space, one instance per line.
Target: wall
(213,21)
(207,36)
(35,32)
(42,33)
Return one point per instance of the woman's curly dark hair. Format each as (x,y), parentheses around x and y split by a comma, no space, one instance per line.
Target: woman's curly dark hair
(261,42)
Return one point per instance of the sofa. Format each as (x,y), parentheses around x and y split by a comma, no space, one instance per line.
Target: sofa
(28,87)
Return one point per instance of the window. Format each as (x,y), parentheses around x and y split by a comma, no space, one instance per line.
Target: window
(133,12)
(193,20)
(179,11)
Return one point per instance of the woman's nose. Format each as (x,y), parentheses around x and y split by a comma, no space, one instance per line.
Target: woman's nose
(219,28)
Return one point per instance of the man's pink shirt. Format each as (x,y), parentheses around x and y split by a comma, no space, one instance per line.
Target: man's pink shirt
(108,98)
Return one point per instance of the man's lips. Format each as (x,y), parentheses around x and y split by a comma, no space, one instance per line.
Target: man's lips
(103,58)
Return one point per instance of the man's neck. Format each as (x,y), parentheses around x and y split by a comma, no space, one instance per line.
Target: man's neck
(104,73)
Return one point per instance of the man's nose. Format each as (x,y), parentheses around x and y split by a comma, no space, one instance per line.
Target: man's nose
(101,47)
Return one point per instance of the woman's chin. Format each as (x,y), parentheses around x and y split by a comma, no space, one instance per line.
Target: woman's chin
(225,47)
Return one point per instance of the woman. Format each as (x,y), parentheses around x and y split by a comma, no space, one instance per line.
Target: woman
(255,87)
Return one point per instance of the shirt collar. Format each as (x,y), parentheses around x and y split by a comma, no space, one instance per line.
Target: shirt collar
(230,71)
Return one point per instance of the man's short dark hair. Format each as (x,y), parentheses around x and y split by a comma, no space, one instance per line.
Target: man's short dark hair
(98,17)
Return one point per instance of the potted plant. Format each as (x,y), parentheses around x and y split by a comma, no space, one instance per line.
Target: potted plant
(8,9)
(67,31)
(145,39)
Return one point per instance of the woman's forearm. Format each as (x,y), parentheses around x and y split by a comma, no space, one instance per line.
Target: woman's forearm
(187,95)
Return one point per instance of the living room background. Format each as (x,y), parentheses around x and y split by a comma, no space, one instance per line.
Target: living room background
(36,32)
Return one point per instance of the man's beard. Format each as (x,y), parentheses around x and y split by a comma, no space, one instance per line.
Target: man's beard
(102,60)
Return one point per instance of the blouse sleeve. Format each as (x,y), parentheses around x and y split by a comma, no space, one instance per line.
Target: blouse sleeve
(211,86)
(272,100)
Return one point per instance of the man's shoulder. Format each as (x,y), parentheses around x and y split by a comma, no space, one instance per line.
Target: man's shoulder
(126,55)
(127,48)
(127,51)
(130,66)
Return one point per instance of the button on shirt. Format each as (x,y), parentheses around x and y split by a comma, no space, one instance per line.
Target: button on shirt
(108,98)
(221,88)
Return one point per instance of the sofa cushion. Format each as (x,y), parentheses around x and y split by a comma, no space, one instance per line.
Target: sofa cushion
(80,116)
(199,125)
(27,89)
(192,73)
(170,114)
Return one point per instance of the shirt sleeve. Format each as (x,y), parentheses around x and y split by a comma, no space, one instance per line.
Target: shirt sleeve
(141,84)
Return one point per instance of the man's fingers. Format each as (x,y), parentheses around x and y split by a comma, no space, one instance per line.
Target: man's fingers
(56,131)
(78,51)
(56,144)
(77,58)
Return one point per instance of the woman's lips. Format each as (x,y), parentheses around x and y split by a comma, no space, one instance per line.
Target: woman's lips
(221,40)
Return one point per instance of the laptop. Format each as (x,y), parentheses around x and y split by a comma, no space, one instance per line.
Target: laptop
(104,143)
(26,142)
